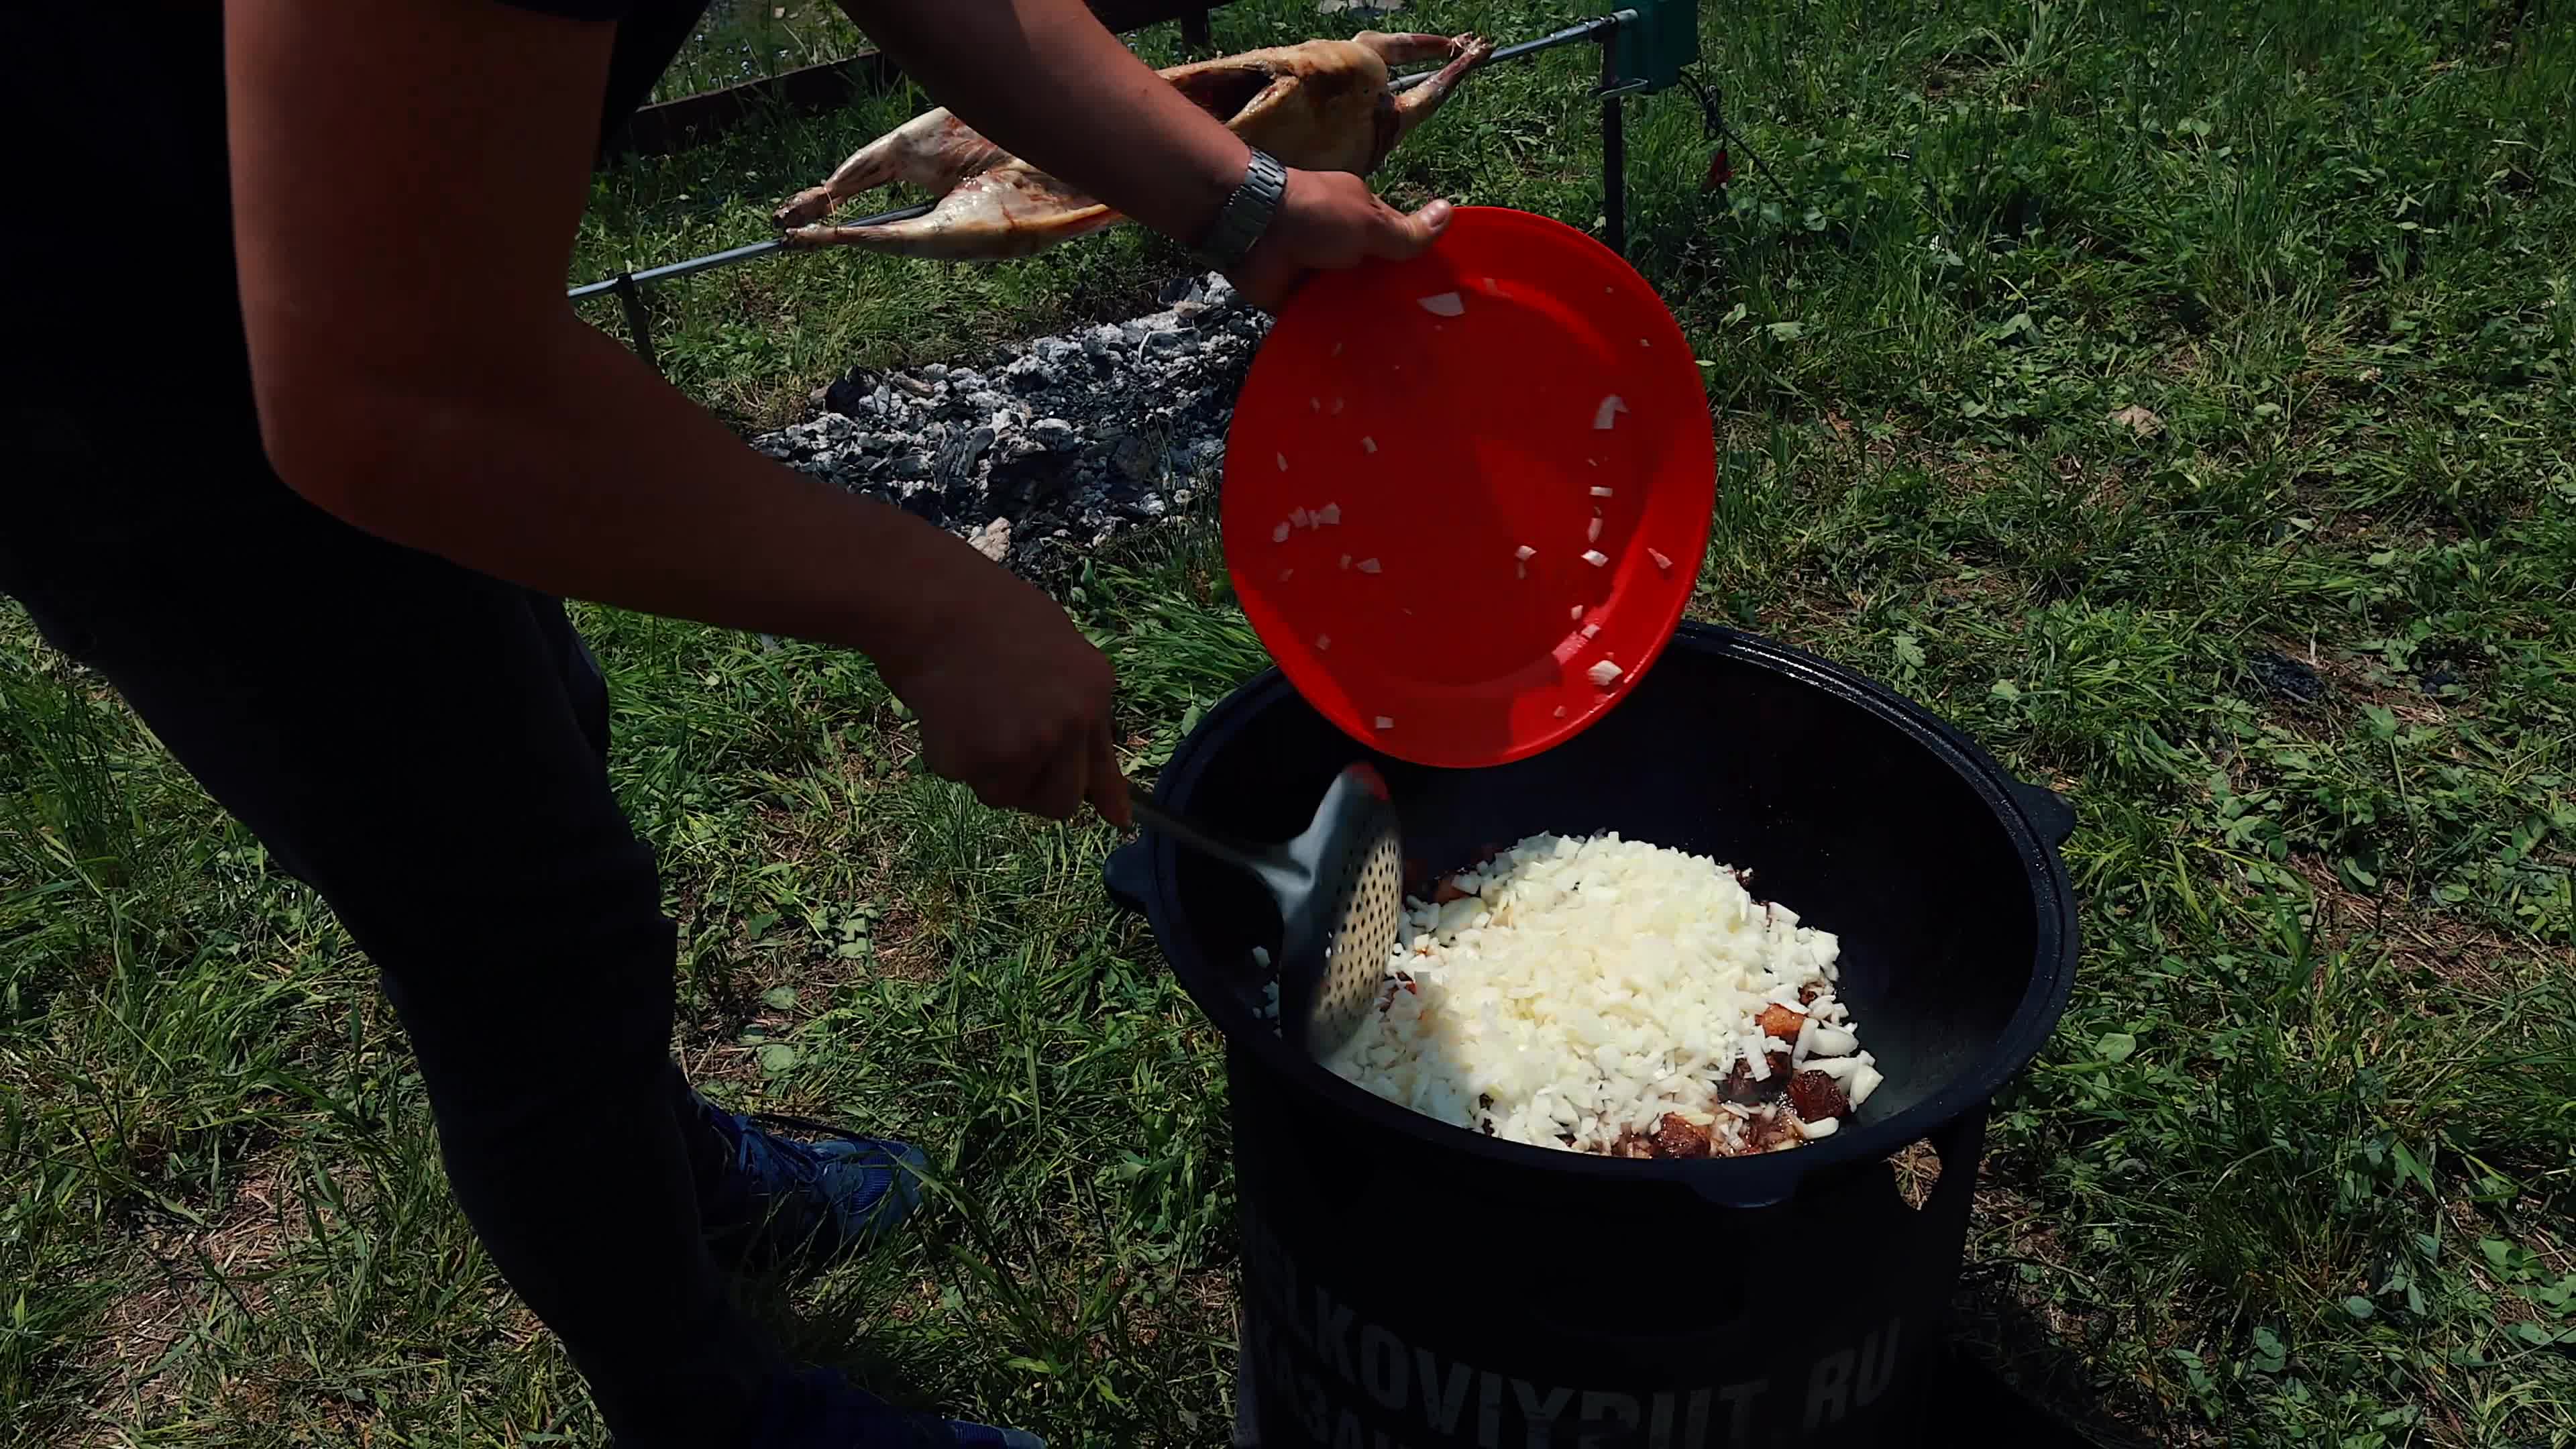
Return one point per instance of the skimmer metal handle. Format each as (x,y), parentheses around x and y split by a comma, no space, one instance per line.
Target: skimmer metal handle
(1233,852)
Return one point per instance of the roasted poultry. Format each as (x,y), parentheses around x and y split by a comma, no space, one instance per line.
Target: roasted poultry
(1320,106)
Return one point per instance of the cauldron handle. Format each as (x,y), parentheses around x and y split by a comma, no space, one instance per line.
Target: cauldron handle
(2051,814)
(1128,876)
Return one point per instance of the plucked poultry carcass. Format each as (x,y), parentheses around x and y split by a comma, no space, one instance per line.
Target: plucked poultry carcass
(1320,106)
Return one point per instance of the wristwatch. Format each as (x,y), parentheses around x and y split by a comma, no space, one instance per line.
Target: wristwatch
(1230,238)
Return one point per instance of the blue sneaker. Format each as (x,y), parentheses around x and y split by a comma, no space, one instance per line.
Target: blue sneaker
(786,1200)
(819,1409)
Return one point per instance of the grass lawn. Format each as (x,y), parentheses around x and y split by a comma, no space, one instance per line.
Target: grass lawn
(2176,395)
(744,40)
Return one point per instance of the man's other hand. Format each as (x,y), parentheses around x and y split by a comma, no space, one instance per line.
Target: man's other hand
(1329,220)
(1014,704)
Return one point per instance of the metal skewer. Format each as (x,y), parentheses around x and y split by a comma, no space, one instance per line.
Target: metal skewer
(628,287)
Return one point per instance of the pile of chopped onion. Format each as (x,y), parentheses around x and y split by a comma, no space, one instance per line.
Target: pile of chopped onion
(1583,992)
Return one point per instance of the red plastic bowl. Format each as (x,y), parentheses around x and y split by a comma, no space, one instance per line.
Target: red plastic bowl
(1447,443)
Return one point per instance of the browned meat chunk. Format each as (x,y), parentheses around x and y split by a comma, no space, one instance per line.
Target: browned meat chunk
(1678,1137)
(1741,1087)
(1781,1023)
(1633,1145)
(1768,1130)
(1817,1096)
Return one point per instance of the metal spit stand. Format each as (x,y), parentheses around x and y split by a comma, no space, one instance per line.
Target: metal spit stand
(1644,47)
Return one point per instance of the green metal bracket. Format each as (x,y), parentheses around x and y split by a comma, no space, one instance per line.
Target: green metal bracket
(1656,39)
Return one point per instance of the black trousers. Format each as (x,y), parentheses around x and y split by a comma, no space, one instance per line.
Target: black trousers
(426,747)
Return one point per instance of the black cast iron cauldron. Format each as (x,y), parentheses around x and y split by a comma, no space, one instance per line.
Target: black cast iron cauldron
(1411,1285)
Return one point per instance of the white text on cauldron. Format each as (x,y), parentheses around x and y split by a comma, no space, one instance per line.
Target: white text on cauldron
(1451,1398)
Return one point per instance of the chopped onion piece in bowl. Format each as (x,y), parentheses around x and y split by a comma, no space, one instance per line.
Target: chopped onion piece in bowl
(1595,557)
(1443,304)
(1610,407)
(1604,673)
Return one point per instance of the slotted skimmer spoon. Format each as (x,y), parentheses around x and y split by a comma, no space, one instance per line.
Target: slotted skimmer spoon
(1340,889)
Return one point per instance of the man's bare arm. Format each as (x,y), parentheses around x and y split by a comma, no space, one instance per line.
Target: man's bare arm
(408,176)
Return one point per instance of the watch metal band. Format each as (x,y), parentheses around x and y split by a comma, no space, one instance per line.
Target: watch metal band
(1247,213)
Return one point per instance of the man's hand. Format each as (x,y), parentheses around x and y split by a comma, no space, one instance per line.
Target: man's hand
(1014,704)
(1329,220)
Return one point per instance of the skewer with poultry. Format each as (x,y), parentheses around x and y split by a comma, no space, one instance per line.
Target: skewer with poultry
(1324,105)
